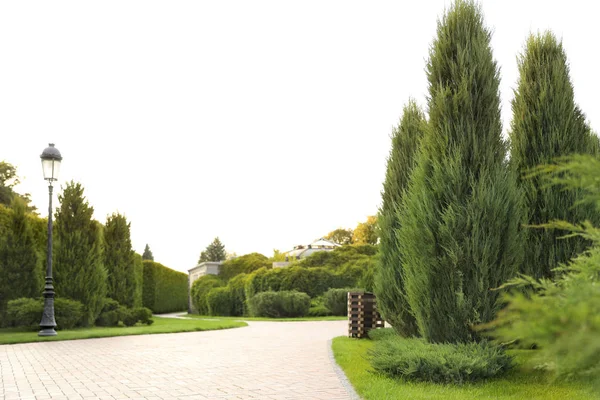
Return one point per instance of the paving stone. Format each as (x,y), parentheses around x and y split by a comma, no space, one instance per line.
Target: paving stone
(266,360)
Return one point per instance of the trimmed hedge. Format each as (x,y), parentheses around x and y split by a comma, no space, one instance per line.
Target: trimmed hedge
(313,281)
(417,360)
(279,304)
(164,290)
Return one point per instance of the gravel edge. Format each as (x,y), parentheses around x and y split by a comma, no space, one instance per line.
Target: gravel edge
(340,373)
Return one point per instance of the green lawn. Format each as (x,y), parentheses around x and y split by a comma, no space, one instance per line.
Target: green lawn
(208,317)
(522,383)
(160,325)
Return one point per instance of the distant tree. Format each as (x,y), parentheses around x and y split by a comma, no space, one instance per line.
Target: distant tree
(119,260)
(78,265)
(340,236)
(8,180)
(389,277)
(277,256)
(147,254)
(214,252)
(548,124)
(366,232)
(20,265)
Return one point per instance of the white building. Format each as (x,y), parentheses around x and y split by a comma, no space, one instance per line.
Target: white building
(303,251)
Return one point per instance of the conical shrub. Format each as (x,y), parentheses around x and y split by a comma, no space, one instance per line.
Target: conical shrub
(389,278)
(460,218)
(548,124)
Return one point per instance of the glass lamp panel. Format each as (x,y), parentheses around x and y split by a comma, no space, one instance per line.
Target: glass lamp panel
(51,169)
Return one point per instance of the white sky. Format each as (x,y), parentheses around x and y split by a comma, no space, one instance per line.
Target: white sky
(264,123)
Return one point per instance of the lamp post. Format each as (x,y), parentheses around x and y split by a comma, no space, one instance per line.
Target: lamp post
(51,159)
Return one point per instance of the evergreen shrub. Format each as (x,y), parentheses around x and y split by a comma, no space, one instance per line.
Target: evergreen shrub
(279,304)
(417,360)
(462,213)
(25,312)
(68,313)
(317,308)
(143,315)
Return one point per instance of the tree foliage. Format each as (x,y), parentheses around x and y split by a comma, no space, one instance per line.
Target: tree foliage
(119,260)
(8,180)
(147,253)
(213,252)
(78,265)
(562,317)
(461,216)
(20,265)
(366,232)
(341,236)
(389,278)
(547,124)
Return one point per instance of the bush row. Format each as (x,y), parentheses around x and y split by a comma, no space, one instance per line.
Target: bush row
(279,304)
(164,290)
(69,314)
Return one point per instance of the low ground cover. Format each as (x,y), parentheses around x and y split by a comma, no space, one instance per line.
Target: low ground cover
(160,325)
(523,382)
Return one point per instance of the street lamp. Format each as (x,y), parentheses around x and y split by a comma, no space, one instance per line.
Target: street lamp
(51,159)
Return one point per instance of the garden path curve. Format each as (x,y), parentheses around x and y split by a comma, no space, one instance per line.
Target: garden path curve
(266,360)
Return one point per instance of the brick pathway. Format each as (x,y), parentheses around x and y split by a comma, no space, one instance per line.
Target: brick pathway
(267,360)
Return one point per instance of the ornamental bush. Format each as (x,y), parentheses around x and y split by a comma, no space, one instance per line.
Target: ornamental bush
(279,304)
(220,302)
(417,360)
(25,312)
(200,289)
(68,313)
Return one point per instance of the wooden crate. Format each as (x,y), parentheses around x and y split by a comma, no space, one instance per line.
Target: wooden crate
(362,314)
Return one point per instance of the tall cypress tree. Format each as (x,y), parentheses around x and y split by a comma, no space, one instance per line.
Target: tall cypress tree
(389,278)
(548,124)
(20,264)
(78,268)
(119,260)
(461,216)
